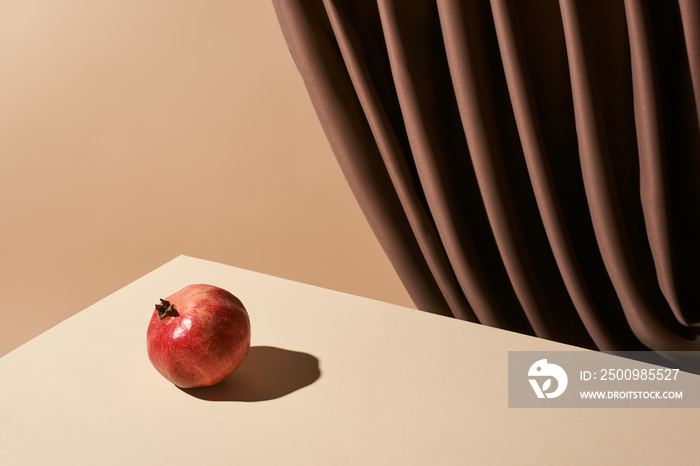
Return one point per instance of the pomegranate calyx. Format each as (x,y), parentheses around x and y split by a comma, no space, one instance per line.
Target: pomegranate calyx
(164,308)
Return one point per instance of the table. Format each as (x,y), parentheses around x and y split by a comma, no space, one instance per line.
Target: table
(331,379)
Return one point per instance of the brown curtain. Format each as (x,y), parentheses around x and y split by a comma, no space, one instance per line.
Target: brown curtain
(529,165)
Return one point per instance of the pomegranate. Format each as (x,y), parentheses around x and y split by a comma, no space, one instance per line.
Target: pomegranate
(198,336)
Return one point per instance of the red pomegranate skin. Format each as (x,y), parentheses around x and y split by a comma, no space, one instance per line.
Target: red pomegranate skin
(202,338)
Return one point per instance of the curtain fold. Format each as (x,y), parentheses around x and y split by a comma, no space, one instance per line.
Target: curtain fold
(532,166)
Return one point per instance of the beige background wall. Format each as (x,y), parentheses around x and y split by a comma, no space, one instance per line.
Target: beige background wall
(132,131)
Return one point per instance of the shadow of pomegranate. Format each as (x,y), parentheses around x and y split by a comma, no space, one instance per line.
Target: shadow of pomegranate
(266,374)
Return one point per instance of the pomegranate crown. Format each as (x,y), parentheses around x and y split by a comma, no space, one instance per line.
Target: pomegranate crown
(164,308)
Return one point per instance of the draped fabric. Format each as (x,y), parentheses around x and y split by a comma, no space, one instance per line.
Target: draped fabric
(528,165)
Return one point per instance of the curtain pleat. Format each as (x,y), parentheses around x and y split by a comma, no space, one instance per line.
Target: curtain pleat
(533,166)
(540,172)
(394,160)
(653,176)
(602,188)
(314,49)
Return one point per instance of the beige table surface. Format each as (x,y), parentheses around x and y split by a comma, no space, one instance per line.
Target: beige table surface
(331,379)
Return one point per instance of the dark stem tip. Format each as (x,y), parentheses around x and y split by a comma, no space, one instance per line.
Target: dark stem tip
(164,308)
